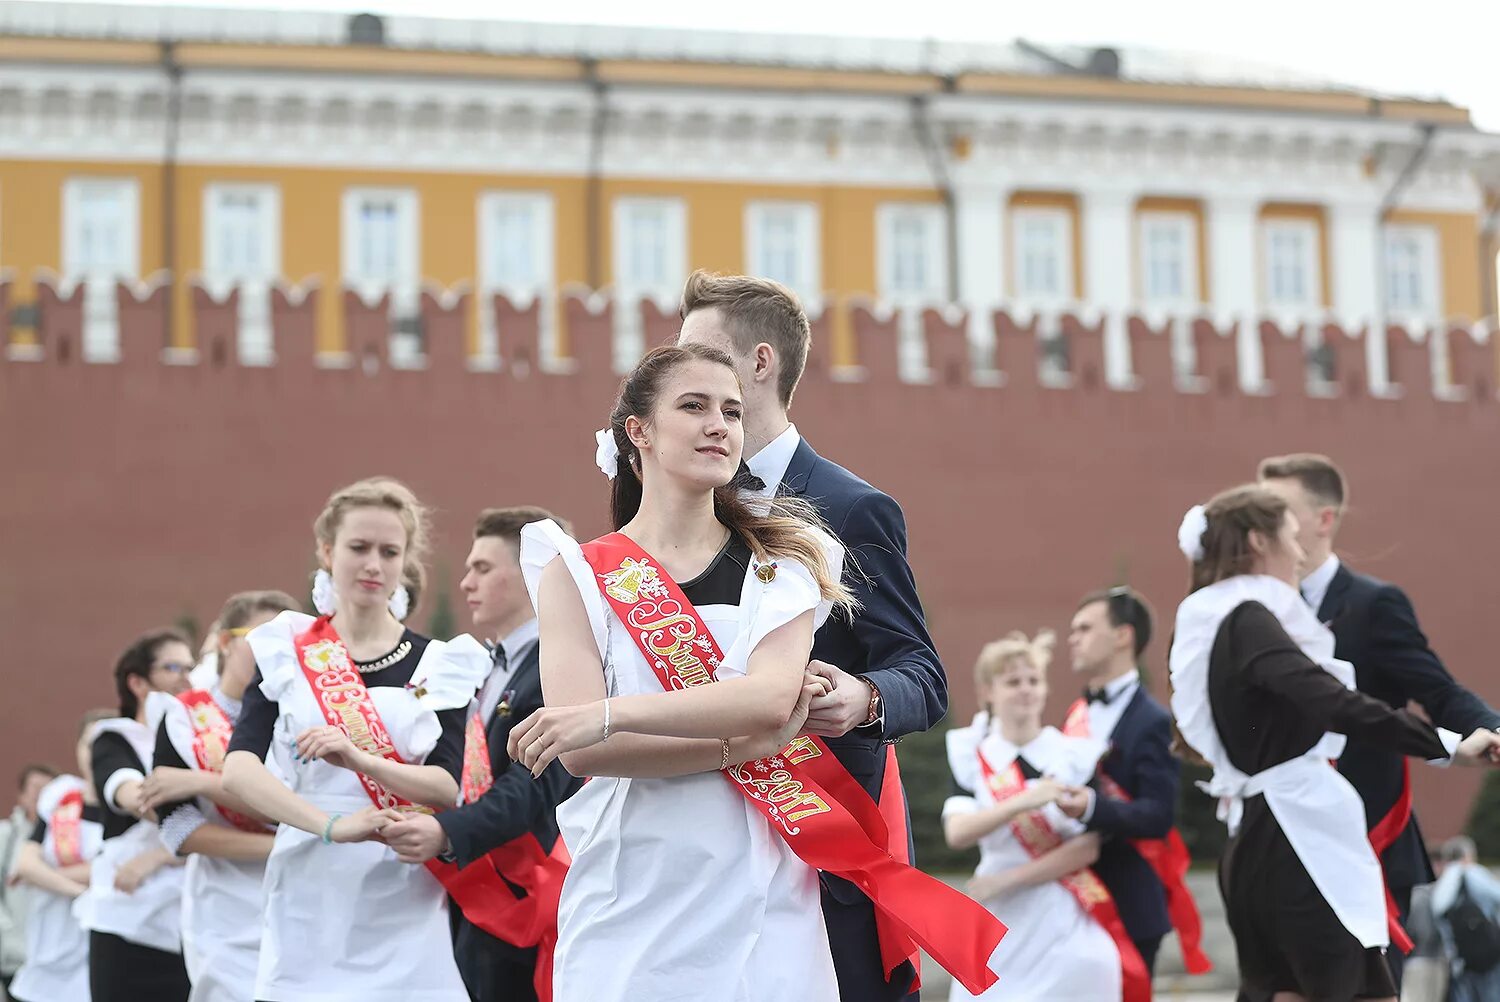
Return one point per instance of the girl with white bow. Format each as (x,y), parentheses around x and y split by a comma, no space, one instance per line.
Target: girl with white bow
(1258,693)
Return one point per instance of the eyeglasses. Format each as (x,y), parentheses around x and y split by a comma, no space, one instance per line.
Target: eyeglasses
(175,667)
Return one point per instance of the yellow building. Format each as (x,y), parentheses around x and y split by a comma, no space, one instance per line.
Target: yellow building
(245,148)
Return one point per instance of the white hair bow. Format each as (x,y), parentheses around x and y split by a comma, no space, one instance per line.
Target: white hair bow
(1190,533)
(608,454)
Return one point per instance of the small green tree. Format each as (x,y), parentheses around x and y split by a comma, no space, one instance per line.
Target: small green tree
(440,623)
(1484,818)
(928,782)
(1197,817)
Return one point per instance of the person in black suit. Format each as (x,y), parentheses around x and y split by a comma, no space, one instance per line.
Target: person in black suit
(887,675)
(1375,628)
(1136,798)
(492,969)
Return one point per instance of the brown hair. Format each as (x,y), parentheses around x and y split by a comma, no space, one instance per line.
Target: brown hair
(392,495)
(34,769)
(242,606)
(92,717)
(507,523)
(137,661)
(1232,516)
(756,311)
(1317,474)
(778,531)
(997,655)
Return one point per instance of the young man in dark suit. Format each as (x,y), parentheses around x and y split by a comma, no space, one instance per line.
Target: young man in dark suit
(494,970)
(1375,628)
(888,679)
(1108,635)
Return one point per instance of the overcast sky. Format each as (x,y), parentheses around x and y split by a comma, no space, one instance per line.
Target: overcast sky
(1444,48)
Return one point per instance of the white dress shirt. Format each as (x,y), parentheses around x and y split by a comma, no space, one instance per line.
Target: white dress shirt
(1315,585)
(1104,717)
(516,646)
(770,462)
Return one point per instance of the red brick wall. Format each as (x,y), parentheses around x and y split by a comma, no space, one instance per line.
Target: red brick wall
(134,493)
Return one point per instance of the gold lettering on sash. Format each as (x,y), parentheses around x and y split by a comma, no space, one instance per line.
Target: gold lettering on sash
(800,750)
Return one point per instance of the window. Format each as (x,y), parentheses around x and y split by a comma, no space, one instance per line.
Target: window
(242,248)
(101,246)
(782,243)
(1411,271)
(1042,255)
(1169,258)
(650,261)
(380,255)
(515,260)
(912,251)
(1292,273)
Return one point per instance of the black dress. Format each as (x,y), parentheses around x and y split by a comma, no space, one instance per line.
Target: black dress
(1271,704)
(119,970)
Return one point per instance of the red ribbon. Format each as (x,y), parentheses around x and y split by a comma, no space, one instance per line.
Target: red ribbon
(479,889)
(66,826)
(1038,838)
(211,733)
(804,793)
(1382,837)
(1168,858)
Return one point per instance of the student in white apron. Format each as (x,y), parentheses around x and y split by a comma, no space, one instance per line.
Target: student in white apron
(133,905)
(226,848)
(1259,695)
(55,864)
(344,918)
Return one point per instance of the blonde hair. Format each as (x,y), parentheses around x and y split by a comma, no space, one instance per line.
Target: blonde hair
(997,655)
(393,496)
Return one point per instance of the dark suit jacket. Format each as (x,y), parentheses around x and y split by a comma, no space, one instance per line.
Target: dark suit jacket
(887,643)
(1375,628)
(1140,761)
(514,805)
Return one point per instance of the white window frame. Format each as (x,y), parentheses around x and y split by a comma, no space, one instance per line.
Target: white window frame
(629,337)
(101,312)
(1061,222)
(405,286)
(1429,277)
(911,359)
(1311,266)
(254,342)
(806,278)
(543,209)
(1185,225)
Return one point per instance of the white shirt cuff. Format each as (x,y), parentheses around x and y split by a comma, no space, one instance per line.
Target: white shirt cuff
(116,780)
(177,826)
(1088,812)
(1450,740)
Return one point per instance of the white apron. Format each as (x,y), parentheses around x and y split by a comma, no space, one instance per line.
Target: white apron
(679,891)
(222,899)
(57,947)
(1317,809)
(1054,951)
(151,916)
(352,922)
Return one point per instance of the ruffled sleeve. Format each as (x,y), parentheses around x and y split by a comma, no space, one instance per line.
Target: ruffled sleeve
(963,752)
(792,591)
(169,713)
(53,793)
(275,653)
(446,678)
(541,543)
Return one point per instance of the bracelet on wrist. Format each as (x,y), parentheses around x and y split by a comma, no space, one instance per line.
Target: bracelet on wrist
(724,762)
(606,721)
(328,829)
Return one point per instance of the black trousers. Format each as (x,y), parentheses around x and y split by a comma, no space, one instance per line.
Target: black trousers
(121,971)
(856,950)
(1148,949)
(1394,958)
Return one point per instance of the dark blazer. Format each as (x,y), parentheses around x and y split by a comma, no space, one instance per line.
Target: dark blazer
(496,971)
(1140,761)
(887,643)
(1375,628)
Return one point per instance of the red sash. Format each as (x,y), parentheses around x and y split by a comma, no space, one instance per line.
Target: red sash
(66,826)
(1382,837)
(803,792)
(476,777)
(480,889)
(211,733)
(1038,838)
(1168,858)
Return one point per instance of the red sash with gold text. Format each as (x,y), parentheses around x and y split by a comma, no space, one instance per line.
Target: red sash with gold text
(1038,838)
(211,733)
(479,889)
(66,829)
(803,792)
(1168,858)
